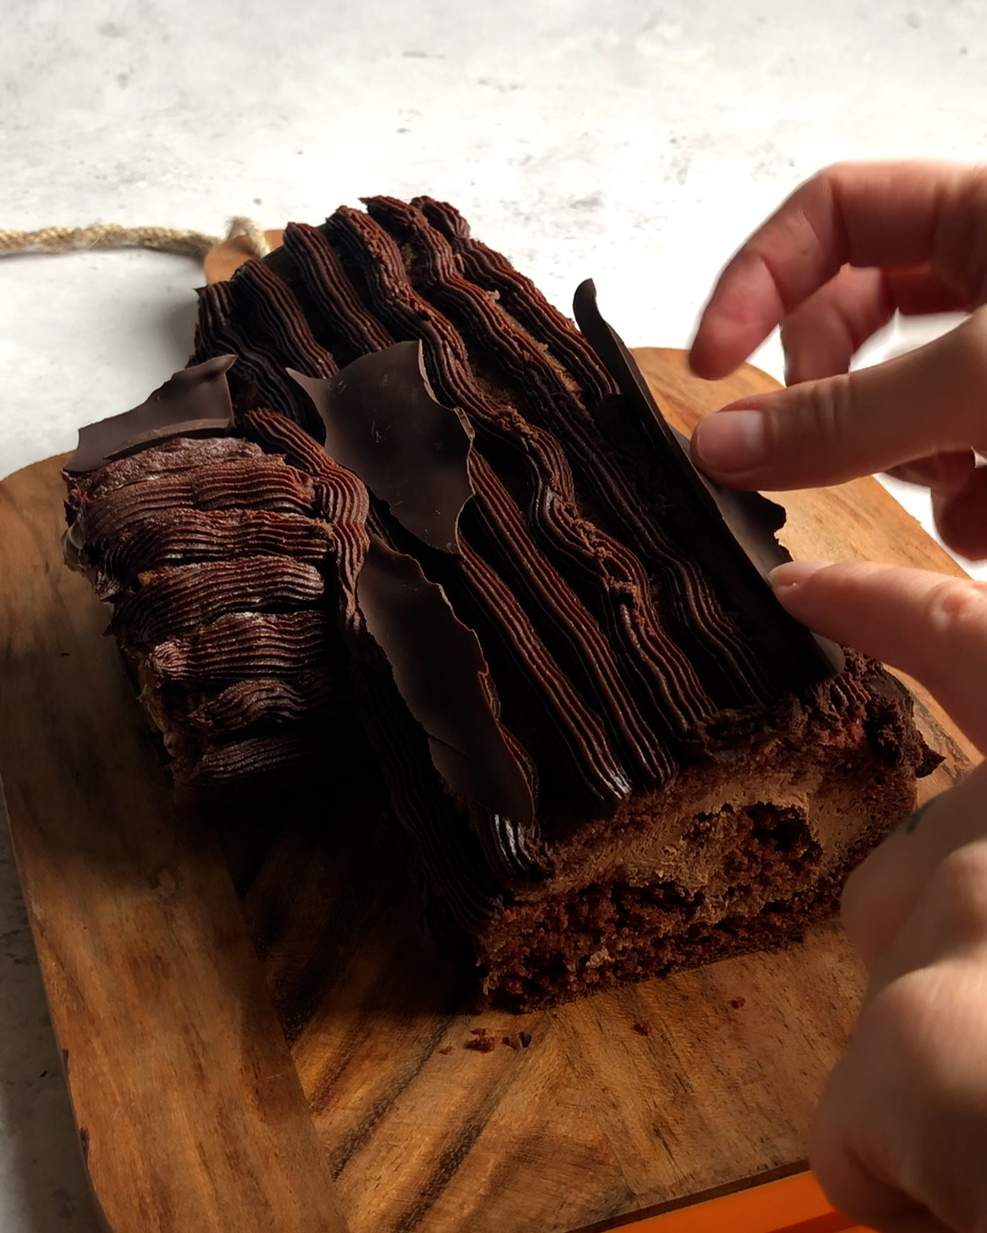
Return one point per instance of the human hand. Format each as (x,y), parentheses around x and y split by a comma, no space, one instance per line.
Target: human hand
(900,1139)
(848,249)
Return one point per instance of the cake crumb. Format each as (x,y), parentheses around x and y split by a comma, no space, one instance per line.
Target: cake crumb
(738,1003)
(481,1044)
(446,1050)
(525,1039)
(642,1029)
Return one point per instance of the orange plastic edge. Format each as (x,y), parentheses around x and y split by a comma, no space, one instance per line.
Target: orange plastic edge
(792,1205)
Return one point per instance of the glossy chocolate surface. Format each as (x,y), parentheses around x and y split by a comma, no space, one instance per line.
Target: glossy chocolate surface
(383,421)
(194,401)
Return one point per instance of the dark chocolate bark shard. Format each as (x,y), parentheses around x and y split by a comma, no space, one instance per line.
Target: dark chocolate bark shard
(741,526)
(442,676)
(194,401)
(384,422)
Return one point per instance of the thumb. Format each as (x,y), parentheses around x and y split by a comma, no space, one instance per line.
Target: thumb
(929,625)
(929,401)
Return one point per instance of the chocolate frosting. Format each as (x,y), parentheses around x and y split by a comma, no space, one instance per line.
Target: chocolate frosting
(193,401)
(741,524)
(384,422)
(440,672)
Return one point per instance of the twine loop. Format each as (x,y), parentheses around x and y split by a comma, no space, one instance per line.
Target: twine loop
(113,235)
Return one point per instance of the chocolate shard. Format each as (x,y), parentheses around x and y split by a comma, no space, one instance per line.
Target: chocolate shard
(192,402)
(742,526)
(384,423)
(442,676)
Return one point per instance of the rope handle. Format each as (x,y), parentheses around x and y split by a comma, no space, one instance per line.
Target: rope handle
(113,235)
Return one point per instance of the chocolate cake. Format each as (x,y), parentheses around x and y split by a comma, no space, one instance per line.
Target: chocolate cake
(400,508)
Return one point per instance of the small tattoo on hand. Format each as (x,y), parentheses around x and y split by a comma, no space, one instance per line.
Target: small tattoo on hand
(910,824)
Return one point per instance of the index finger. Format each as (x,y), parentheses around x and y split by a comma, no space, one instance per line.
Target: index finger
(931,626)
(865,214)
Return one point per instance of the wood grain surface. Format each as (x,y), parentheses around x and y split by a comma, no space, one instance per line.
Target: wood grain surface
(189,1111)
(272,1063)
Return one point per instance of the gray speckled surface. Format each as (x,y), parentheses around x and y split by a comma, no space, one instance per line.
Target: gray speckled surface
(630,140)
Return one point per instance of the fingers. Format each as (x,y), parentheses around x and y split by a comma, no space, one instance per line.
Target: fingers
(929,401)
(945,473)
(878,214)
(892,1143)
(959,498)
(931,626)
(915,1221)
(852,1185)
(920,290)
(948,920)
(961,515)
(881,894)
(823,334)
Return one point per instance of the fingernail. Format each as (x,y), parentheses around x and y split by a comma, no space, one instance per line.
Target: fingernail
(730,441)
(794,573)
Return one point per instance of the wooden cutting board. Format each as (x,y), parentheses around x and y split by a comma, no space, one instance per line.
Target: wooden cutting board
(256,1042)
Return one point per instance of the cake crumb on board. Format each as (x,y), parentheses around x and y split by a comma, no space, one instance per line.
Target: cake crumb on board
(482,1040)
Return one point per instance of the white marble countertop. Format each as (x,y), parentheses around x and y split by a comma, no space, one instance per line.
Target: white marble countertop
(633,140)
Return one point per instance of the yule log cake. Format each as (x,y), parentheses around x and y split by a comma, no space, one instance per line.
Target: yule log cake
(400,512)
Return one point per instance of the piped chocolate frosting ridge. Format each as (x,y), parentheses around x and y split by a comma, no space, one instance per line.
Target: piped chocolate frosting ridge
(735,529)
(219,561)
